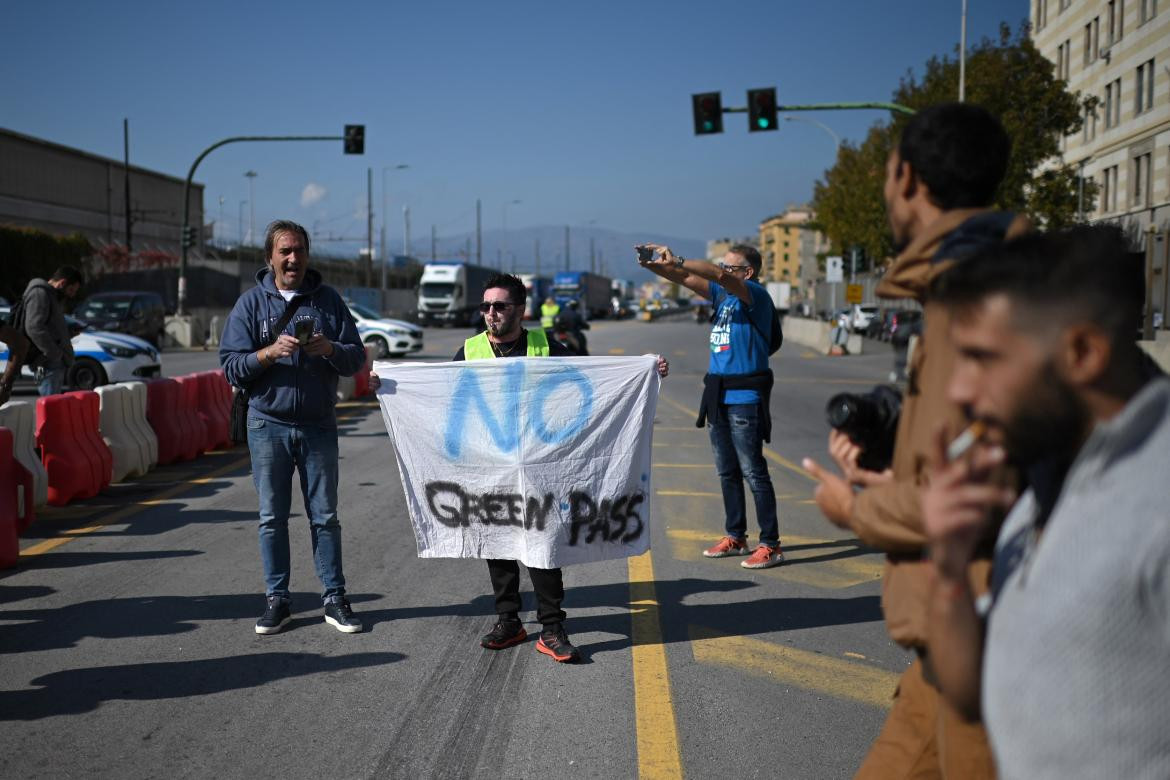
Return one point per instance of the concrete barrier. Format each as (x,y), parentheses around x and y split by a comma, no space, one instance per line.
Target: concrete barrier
(136,416)
(124,446)
(817,335)
(20,417)
(1159,349)
(185,331)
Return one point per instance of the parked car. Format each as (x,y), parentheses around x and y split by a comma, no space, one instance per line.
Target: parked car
(100,357)
(389,337)
(859,316)
(138,314)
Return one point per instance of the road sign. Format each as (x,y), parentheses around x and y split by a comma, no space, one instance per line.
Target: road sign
(834,270)
(853,293)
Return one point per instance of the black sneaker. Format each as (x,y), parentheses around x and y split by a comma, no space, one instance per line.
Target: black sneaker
(339,615)
(275,616)
(504,633)
(554,642)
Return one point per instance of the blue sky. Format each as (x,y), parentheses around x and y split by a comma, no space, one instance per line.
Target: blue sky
(580,111)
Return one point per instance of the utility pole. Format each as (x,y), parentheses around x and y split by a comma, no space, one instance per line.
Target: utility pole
(251,205)
(963,54)
(406,231)
(126,185)
(478,233)
(537,253)
(369,226)
(567,248)
(434,242)
(592,257)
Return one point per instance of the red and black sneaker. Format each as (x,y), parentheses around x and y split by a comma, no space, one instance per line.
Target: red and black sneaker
(554,642)
(505,633)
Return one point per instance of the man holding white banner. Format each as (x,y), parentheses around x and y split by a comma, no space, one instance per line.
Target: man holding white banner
(538,462)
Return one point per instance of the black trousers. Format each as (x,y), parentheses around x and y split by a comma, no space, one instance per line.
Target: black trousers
(547,583)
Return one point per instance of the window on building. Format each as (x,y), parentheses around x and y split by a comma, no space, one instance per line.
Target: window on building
(1115,17)
(1090,124)
(1113,103)
(1142,178)
(1092,32)
(1109,189)
(1148,9)
(1063,60)
(1143,99)
(1041,14)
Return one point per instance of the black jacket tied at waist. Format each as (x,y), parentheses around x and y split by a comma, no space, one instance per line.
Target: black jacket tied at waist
(711,406)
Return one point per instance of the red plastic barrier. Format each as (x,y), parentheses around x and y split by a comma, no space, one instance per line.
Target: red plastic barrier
(89,406)
(12,522)
(215,416)
(16,484)
(195,428)
(361,380)
(162,412)
(72,464)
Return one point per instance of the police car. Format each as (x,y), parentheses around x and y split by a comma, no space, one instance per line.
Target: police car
(390,338)
(100,357)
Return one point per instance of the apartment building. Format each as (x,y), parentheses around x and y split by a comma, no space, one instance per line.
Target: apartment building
(1118,51)
(789,248)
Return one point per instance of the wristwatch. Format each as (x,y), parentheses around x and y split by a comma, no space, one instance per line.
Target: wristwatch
(678,261)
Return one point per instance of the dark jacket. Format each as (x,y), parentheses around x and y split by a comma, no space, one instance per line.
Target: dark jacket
(299,389)
(45,326)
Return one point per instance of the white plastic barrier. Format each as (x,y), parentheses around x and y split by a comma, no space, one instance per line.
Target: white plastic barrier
(20,417)
(345,388)
(136,417)
(124,444)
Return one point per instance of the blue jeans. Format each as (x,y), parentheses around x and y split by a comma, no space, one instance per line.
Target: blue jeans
(50,379)
(312,450)
(739,454)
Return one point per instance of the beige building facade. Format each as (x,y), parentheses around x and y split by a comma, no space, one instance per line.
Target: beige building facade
(1119,52)
(789,248)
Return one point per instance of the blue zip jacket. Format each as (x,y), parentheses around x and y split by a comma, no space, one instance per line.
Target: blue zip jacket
(299,389)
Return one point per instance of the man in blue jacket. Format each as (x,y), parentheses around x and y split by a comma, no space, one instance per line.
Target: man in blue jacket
(292,387)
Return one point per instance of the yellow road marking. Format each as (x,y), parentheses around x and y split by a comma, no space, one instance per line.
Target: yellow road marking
(768,451)
(853,655)
(686,493)
(804,669)
(658,753)
(160,498)
(616,351)
(135,507)
(809,354)
(833,574)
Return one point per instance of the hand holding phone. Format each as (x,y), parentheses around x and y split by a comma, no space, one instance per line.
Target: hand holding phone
(303,331)
(645,254)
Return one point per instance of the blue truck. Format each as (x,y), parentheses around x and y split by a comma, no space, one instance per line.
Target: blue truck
(590,290)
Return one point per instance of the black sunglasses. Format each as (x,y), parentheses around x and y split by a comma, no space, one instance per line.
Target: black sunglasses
(495,306)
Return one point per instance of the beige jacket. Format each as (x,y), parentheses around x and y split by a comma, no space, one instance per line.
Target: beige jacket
(889,517)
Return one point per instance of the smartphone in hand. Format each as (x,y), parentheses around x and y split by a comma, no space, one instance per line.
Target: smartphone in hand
(303,331)
(645,254)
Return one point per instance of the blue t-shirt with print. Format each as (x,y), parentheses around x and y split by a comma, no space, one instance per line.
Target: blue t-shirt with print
(737,347)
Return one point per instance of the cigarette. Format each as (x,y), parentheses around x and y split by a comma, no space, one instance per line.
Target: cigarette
(965,440)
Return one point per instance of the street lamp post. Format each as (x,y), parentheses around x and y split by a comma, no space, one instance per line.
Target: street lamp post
(385,224)
(251,205)
(836,138)
(504,209)
(240,223)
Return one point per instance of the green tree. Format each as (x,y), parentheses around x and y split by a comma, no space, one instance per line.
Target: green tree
(1014,81)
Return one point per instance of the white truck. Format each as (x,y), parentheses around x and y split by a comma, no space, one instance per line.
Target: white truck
(449,293)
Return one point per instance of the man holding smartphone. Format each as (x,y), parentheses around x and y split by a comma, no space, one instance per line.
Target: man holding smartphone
(737,390)
(286,342)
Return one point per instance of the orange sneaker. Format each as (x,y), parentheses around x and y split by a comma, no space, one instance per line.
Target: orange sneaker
(727,546)
(764,557)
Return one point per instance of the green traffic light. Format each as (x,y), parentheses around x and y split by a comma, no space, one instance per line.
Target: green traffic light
(763,123)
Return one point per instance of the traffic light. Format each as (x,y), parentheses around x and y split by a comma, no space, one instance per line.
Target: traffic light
(708,110)
(188,236)
(355,139)
(761,109)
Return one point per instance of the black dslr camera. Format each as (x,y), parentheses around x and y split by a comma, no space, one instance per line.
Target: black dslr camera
(870,421)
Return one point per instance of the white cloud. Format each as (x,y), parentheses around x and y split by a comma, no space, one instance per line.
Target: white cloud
(311,194)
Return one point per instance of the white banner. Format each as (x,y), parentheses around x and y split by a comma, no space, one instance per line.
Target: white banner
(541,460)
